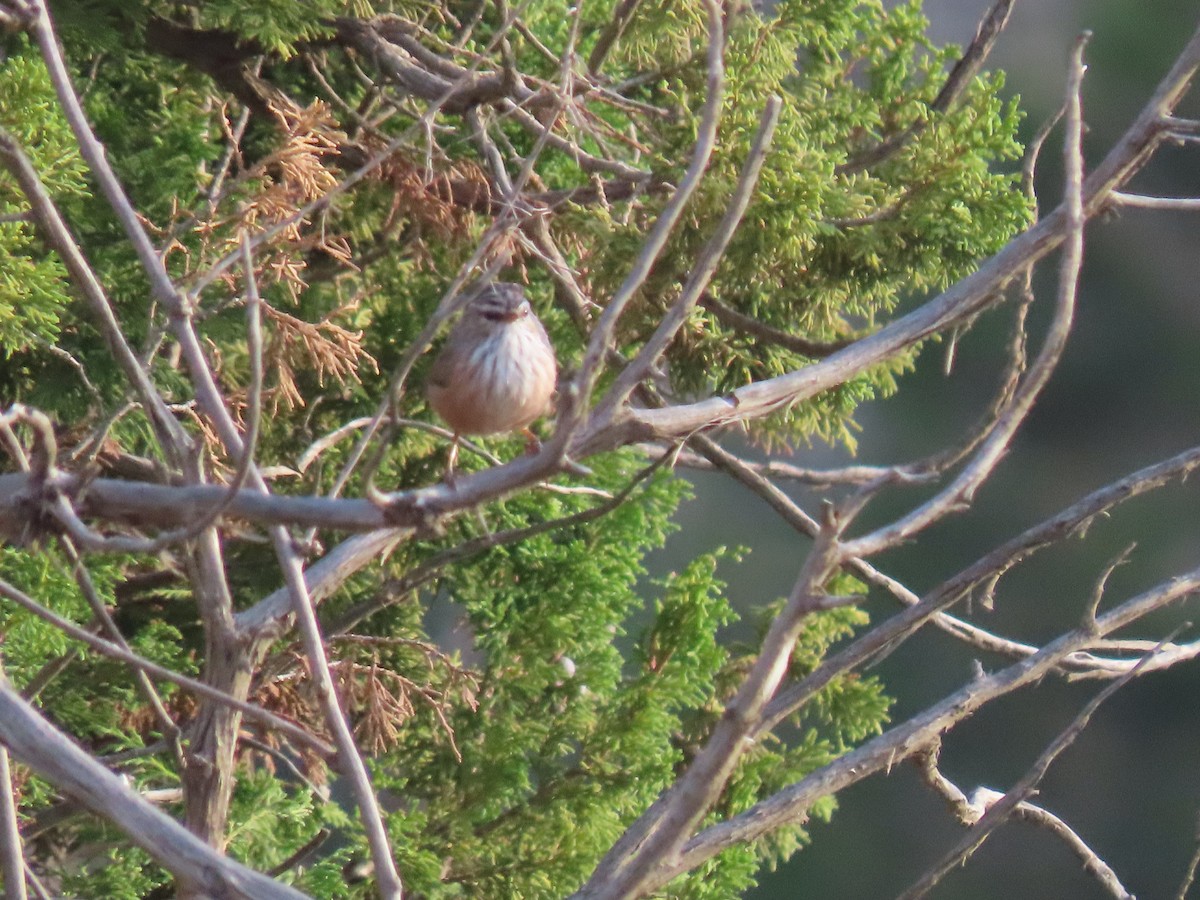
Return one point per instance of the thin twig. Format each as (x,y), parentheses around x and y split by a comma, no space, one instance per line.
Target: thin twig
(227,158)
(1189,875)
(621,16)
(1104,874)
(350,761)
(635,864)
(703,268)
(301,854)
(92,541)
(56,234)
(958,304)
(993,447)
(988,568)
(1033,152)
(199,869)
(320,792)
(577,394)
(731,318)
(113,651)
(83,579)
(1004,806)
(969,812)
(896,744)
(12,859)
(1142,201)
(35,882)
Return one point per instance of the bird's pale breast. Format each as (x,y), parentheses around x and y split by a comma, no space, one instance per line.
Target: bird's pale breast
(502,383)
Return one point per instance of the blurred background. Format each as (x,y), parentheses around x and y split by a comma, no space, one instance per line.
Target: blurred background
(1123,397)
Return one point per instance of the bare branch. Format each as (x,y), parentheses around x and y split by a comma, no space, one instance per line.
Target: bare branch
(497,100)
(969,812)
(1180,204)
(1002,807)
(198,867)
(172,436)
(621,17)
(918,732)
(12,860)
(93,152)
(114,651)
(210,402)
(1091,861)
(784,471)
(958,304)
(900,626)
(168,505)
(578,393)
(95,542)
(731,318)
(702,270)
(83,578)
(1190,875)
(350,760)
(637,862)
(962,489)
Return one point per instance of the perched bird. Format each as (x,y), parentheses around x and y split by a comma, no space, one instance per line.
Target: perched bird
(497,371)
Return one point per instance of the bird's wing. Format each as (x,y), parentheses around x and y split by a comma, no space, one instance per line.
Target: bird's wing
(442,370)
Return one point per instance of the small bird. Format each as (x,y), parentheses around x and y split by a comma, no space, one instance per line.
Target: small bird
(497,371)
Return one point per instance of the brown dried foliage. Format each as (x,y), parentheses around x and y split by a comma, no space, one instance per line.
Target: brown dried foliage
(333,352)
(291,177)
(431,202)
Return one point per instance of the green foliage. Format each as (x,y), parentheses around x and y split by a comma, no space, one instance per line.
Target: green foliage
(273,820)
(824,248)
(564,744)
(29,642)
(581,687)
(33,284)
(277,25)
(96,699)
(115,871)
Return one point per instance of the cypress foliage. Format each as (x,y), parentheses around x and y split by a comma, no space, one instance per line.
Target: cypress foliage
(578,687)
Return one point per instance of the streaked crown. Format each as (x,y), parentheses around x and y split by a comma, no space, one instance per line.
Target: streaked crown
(500,302)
